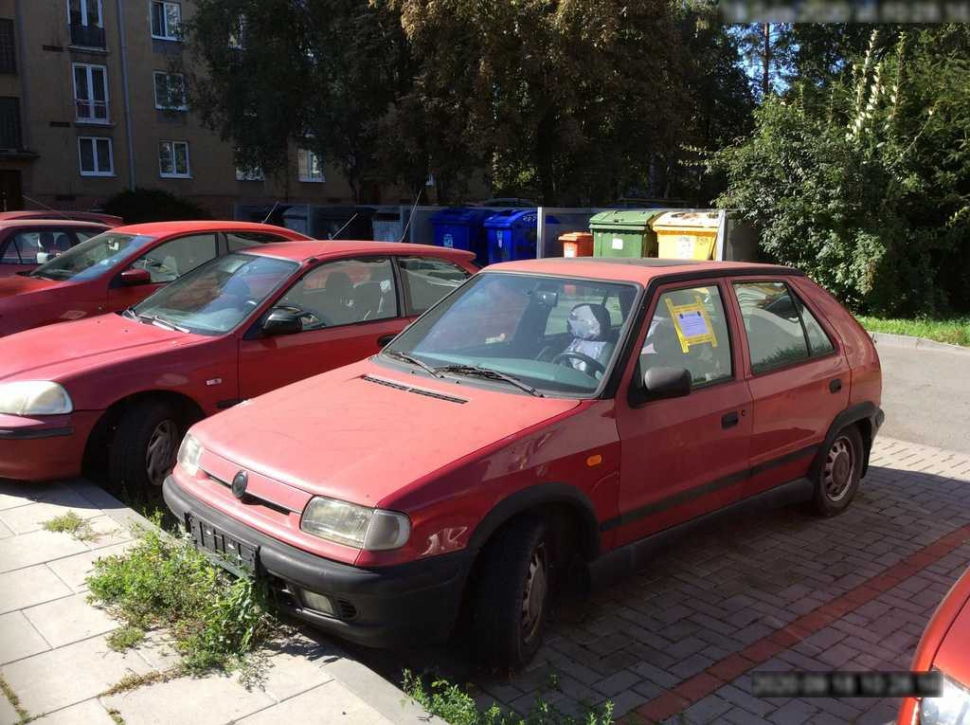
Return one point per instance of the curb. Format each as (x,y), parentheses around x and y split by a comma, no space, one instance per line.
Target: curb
(916,343)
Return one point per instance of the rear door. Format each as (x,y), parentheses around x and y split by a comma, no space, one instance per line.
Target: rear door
(349,308)
(797,374)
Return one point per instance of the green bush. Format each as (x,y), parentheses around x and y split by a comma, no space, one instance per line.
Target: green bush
(152,205)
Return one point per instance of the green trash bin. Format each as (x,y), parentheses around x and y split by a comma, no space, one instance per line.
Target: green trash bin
(624,233)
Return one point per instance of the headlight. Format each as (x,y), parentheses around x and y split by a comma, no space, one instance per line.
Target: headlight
(189,454)
(34,397)
(951,708)
(356,526)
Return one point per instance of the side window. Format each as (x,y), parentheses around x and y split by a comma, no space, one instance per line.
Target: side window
(241,240)
(169,261)
(772,324)
(344,293)
(689,330)
(22,249)
(818,341)
(429,279)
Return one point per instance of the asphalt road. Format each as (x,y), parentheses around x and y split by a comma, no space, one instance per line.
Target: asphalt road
(926,396)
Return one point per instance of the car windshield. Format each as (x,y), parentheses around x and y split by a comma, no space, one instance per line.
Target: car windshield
(553,335)
(92,258)
(214,298)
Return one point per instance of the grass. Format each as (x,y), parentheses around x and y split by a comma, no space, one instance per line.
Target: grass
(15,702)
(71,523)
(454,705)
(125,638)
(216,620)
(954,331)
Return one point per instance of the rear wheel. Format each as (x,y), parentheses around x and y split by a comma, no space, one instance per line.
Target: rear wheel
(840,472)
(513,590)
(145,446)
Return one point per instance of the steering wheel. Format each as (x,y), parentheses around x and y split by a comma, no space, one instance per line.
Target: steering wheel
(595,366)
(311,319)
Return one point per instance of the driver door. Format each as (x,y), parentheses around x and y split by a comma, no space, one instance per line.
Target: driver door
(349,310)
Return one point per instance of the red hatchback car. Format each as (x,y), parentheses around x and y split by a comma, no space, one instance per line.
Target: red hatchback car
(120,268)
(945,647)
(550,416)
(121,389)
(26,243)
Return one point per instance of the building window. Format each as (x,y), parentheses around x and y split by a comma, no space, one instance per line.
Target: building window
(8,49)
(170,91)
(91,92)
(96,156)
(166,19)
(10,124)
(311,166)
(254,174)
(173,160)
(87,23)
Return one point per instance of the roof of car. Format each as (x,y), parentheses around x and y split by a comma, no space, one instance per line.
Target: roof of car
(633,269)
(63,223)
(155,229)
(301,251)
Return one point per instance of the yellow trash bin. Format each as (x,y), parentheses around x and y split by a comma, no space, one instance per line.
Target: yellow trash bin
(686,234)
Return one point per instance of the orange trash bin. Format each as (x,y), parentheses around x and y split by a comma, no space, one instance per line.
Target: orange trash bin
(577,244)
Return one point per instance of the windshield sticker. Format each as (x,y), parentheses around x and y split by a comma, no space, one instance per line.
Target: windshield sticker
(692,324)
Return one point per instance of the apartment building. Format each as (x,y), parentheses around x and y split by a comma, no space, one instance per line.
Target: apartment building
(89,107)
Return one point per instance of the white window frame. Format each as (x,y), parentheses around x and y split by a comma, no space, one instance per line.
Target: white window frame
(170,33)
(307,178)
(90,101)
(94,153)
(85,20)
(155,74)
(188,161)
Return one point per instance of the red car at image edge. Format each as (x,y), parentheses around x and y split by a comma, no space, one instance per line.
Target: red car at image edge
(120,268)
(548,418)
(113,394)
(944,647)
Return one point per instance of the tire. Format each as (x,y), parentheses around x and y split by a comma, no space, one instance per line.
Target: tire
(838,477)
(132,466)
(511,601)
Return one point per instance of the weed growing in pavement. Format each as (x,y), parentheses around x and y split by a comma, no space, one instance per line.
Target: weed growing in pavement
(125,637)
(116,716)
(71,523)
(454,705)
(14,702)
(132,681)
(216,620)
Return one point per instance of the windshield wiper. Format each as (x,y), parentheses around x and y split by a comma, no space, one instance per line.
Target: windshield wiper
(130,313)
(476,371)
(162,322)
(404,357)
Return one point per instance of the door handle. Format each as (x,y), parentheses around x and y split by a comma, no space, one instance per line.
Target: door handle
(835,386)
(729,420)
(384,339)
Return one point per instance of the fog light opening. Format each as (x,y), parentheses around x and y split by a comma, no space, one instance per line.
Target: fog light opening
(317,602)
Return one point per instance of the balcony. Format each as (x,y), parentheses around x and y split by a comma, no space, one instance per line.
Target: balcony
(87,36)
(91,111)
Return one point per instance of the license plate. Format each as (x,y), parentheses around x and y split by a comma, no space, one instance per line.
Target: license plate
(235,555)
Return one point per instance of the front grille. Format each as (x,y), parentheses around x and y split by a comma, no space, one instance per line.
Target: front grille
(412,389)
(345,609)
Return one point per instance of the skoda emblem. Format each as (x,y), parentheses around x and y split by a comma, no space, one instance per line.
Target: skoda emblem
(239,483)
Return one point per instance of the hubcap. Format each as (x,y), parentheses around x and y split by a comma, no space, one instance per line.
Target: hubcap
(160,454)
(536,589)
(839,470)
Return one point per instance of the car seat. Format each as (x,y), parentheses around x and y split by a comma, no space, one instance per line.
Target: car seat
(368,299)
(337,298)
(589,325)
(45,241)
(62,242)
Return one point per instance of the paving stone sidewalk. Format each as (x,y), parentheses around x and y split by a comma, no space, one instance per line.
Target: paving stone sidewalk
(54,656)
(779,591)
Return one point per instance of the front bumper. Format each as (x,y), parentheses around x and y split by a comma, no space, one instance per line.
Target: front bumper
(41,449)
(392,606)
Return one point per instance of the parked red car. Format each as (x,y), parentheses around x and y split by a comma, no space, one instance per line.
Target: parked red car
(26,243)
(120,268)
(108,220)
(944,647)
(549,416)
(129,384)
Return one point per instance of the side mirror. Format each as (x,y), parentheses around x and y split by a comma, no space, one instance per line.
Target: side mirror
(133,277)
(661,383)
(43,257)
(282,322)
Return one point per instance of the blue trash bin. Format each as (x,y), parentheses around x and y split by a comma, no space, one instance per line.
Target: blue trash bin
(512,234)
(461,228)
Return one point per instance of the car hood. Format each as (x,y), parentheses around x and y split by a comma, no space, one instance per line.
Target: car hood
(18,284)
(362,432)
(55,352)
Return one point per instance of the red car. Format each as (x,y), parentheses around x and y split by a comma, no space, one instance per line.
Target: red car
(944,647)
(108,220)
(26,243)
(550,416)
(120,268)
(126,386)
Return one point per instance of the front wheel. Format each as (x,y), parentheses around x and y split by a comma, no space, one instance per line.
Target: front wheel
(512,594)
(145,446)
(839,475)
